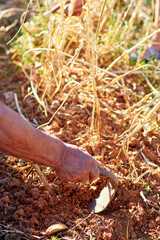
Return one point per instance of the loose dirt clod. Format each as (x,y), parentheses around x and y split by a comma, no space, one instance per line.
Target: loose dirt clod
(64,86)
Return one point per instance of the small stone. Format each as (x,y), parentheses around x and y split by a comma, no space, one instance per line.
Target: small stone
(9,96)
(107,235)
(20,212)
(151,224)
(70,123)
(134,235)
(15,183)
(35,193)
(133,142)
(56,228)
(35,221)
(55,104)
(40,203)
(6,199)
(86,211)
(89,120)
(93,188)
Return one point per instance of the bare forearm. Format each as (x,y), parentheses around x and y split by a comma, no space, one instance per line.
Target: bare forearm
(19,138)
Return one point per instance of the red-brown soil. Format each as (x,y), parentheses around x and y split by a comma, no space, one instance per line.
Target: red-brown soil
(26,205)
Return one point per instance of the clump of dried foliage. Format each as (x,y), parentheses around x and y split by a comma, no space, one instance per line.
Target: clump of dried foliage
(97,44)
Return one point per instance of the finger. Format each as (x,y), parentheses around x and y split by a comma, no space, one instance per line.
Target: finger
(98,163)
(94,174)
(85,179)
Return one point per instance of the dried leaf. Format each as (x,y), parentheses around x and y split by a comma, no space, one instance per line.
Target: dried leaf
(56,228)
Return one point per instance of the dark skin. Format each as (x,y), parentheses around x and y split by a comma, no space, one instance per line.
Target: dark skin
(18,138)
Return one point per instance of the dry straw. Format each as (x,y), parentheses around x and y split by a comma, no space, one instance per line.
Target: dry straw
(103,36)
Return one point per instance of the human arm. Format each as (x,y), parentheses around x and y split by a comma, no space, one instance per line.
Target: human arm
(19,138)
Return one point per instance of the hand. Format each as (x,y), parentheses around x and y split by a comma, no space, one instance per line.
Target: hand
(77,165)
(77,8)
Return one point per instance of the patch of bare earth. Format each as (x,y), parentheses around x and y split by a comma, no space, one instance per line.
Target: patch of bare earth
(25,204)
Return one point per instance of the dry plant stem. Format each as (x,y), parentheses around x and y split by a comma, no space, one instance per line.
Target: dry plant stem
(43,179)
(150,85)
(127,230)
(112,74)
(39,8)
(152,112)
(126,98)
(151,203)
(82,221)
(119,27)
(46,5)
(131,49)
(96,101)
(9,229)
(157,14)
(146,172)
(21,24)
(22,19)
(100,19)
(153,10)
(64,68)
(78,84)
(147,160)
(71,56)
(41,102)
(137,72)
(9,12)
(141,101)
(125,74)
(11,26)
(46,184)
(94,74)
(131,21)
(18,107)
(137,125)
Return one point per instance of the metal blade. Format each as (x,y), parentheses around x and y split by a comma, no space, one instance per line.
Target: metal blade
(107,194)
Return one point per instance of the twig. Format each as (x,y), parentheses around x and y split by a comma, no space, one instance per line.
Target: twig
(147,160)
(151,203)
(146,71)
(132,48)
(129,223)
(26,236)
(9,229)
(43,179)
(150,85)
(18,107)
(9,12)
(20,26)
(71,56)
